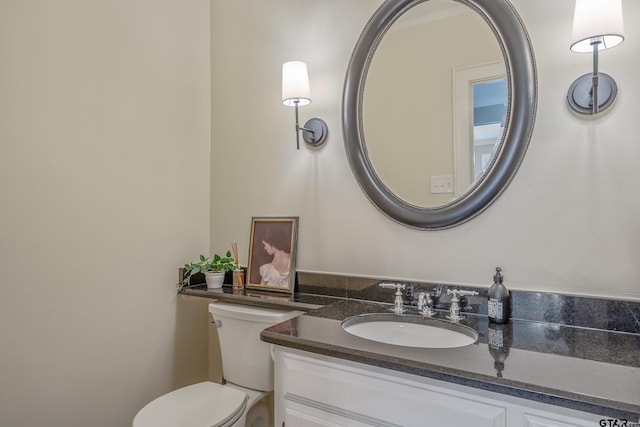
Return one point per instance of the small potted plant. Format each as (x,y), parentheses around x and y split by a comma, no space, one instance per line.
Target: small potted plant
(213,269)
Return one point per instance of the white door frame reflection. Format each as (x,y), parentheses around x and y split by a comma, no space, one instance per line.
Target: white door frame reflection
(465,132)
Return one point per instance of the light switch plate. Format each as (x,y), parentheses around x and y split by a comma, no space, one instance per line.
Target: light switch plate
(442,184)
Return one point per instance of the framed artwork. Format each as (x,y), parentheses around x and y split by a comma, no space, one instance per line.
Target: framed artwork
(272,253)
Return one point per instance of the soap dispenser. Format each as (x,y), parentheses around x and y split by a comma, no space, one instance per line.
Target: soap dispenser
(499,307)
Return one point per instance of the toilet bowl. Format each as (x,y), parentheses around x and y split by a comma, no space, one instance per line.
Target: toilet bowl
(259,416)
(247,367)
(257,413)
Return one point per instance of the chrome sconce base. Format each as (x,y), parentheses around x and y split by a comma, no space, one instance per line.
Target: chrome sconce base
(314,132)
(581,97)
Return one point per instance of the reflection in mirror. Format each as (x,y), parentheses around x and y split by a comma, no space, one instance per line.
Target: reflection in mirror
(480,108)
(410,110)
(489,110)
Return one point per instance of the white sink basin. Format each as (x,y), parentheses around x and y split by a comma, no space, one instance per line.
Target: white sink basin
(410,330)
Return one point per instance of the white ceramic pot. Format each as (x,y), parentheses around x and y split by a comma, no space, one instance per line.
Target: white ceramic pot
(214,279)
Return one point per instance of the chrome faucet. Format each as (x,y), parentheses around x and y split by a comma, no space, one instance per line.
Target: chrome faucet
(425,304)
(454,311)
(398,306)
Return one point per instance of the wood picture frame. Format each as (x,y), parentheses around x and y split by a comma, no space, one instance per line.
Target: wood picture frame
(272,254)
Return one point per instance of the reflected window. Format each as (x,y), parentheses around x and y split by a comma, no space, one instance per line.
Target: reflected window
(489,114)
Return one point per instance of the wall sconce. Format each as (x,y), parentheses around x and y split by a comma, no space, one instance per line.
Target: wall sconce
(295,93)
(597,25)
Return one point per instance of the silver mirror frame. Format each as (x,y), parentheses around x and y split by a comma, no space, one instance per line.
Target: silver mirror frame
(517,51)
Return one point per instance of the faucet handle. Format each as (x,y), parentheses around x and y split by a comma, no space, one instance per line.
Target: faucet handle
(397,286)
(454,311)
(457,293)
(398,304)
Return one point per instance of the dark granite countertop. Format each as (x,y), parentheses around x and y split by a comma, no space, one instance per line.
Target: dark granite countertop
(586,369)
(285,301)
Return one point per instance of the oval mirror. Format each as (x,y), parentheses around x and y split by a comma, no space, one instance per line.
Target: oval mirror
(445,117)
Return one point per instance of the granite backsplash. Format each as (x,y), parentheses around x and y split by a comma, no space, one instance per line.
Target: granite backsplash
(570,310)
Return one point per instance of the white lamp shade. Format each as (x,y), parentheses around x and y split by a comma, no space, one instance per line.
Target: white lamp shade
(601,19)
(295,84)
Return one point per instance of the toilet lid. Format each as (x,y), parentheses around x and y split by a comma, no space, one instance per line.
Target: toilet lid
(205,404)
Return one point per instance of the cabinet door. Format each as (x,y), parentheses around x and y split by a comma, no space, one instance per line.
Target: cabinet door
(351,396)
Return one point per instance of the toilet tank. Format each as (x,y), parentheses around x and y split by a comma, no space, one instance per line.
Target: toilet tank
(246,360)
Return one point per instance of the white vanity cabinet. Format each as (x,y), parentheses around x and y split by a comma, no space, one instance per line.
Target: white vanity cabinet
(312,390)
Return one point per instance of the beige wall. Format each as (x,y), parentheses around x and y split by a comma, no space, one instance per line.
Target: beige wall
(104,180)
(568,222)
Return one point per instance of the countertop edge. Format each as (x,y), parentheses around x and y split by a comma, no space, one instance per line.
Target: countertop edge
(251,300)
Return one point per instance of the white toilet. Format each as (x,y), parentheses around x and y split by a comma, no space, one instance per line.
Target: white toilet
(247,368)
